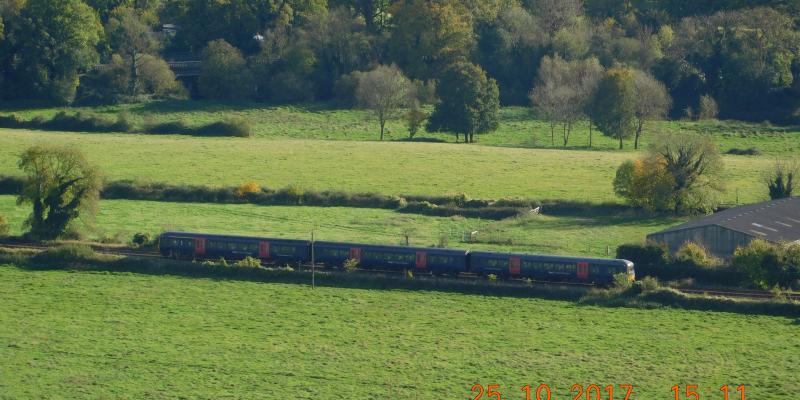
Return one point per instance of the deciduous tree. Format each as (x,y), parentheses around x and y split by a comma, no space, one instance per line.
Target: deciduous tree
(384,90)
(469,102)
(429,35)
(225,74)
(56,41)
(61,185)
(613,106)
(651,101)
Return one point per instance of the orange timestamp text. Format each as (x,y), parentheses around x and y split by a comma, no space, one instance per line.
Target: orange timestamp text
(544,392)
(600,392)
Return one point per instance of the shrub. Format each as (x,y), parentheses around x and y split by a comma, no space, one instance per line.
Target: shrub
(708,108)
(765,264)
(68,253)
(142,239)
(649,255)
(621,282)
(231,126)
(11,184)
(697,255)
(4,229)
(248,262)
(247,189)
(11,121)
(350,265)
(751,151)
(491,277)
(168,128)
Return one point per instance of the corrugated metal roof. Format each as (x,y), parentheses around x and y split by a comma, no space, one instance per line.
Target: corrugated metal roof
(776,221)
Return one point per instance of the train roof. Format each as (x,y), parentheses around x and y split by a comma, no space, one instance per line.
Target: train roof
(413,248)
(234,237)
(565,258)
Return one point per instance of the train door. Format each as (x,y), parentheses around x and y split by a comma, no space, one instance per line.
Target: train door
(422,260)
(583,270)
(200,246)
(263,250)
(514,266)
(355,253)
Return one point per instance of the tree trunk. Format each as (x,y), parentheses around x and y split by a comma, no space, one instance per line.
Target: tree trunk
(552,134)
(590,133)
(638,135)
(472,137)
(620,141)
(134,84)
(457,137)
(383,124)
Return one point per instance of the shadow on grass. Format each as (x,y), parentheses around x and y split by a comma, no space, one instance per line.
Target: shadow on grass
(661,298)
(172,106)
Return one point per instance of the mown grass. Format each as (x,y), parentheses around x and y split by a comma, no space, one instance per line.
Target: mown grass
(573,235)
(389,168)
(119,335)
(519,127)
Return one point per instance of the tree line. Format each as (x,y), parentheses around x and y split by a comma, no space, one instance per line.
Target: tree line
(732,59)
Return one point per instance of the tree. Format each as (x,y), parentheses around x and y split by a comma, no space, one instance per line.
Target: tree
(415,117)
(384,90)
(563,90)
(57,40)
(132,40)
(61,185)
(613,106)
(651,101)
(224,74)
(694,167)
(429,35)
(469,102)
(781,180)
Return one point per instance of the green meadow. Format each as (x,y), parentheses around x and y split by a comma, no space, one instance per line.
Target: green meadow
(519,126)
(588,235)
(356,166)
(119,335)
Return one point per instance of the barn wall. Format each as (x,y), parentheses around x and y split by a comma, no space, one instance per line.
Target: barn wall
(720,241)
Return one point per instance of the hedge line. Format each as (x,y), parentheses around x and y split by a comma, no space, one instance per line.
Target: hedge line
(440,206)
(82,122)
(76,257)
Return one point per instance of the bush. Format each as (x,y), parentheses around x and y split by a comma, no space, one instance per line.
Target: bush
(765,264)
(4,229)
(708,108)
(11,121)
(68,253)
(697,255)
(11,184)
(231,126)
(142,239)
(248,262)
(248,189)
(649,255)
(81,122)
(751,151)
(350,265)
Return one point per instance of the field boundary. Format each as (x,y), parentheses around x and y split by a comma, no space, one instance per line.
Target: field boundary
(81,258)
(438,206)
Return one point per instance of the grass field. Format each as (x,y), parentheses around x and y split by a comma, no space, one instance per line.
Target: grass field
(539,234)
(390,168)
(108,335)
(518,125)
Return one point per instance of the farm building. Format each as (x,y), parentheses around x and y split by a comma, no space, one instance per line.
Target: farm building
(722,233)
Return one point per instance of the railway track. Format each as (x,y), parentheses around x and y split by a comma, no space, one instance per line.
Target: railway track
(127,252)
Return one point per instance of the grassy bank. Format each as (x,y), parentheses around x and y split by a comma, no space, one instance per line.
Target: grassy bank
(126,335)
(518,126)
(587,235)
(388,168)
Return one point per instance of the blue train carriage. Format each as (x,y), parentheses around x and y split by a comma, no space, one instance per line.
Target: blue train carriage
(550,268)
(437,261)
(202,246)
